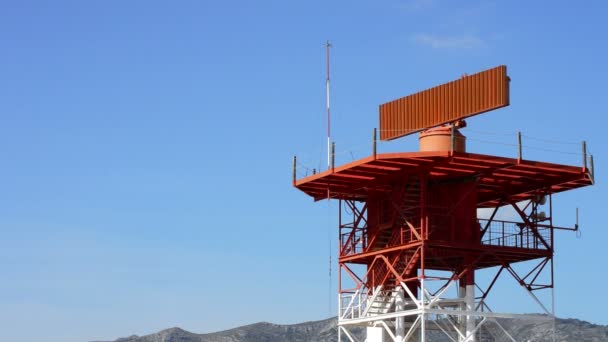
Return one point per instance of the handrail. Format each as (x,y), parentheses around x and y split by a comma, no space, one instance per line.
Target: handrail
(516,234)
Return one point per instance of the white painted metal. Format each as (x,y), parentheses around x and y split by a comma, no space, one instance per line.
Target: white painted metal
(470,319)
(444,331)
(503,330)
(388,330)
(351,304)
(437,297)
(411,295)
(553,306)
(372,299)
(462,320)
(348,334)
(405,317)
(409,315)
(327,81)
(399,321)
(495,321)
(471,334)
(424,307)
(537,301)
(410,333)
(375,334)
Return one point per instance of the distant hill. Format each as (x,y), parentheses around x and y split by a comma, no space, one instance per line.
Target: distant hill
(319,331)
(568,330)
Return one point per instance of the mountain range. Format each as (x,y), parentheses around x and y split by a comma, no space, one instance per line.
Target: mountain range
(567,330)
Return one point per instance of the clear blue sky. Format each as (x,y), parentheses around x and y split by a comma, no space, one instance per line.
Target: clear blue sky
(146,147)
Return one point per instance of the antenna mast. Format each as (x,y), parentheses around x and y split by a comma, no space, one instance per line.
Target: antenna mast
(327,80)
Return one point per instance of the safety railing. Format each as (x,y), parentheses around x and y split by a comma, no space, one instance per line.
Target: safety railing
(353,304)
(353,241)
(365,303)
(515,234)
(498,233)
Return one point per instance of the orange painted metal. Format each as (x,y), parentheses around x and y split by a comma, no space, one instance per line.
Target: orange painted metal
(499,179)
(440,139)
(449,102)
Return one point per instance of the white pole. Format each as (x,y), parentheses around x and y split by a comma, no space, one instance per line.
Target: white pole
(422,314)
(399,321)
(553,309)
(327,81)
(470,303)
(462,294)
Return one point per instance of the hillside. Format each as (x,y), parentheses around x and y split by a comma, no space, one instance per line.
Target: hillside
(325,331)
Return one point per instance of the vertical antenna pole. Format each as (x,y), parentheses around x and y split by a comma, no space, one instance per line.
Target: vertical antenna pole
(519,154)
(294,170)
(584,154)
(333,155)
(553,299)
(374,144)
(327,81)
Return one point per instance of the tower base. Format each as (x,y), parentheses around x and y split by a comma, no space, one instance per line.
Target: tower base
(375,334)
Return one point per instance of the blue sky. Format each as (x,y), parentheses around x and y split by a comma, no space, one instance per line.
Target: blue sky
(146,147)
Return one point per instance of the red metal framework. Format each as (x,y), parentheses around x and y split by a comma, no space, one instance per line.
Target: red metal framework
(408,224)
(403,215)
(397,214)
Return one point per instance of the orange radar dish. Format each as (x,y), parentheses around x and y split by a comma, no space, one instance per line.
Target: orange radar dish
(449,102)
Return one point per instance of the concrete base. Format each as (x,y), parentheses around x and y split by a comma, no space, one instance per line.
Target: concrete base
(375,334)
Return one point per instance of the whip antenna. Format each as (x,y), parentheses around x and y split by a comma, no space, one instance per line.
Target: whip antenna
(327,81)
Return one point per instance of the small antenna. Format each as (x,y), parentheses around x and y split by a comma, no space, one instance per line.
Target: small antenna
(330,153)
(327,81)
(577,228)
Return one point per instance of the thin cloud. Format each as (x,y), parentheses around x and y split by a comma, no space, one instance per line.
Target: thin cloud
(466,41)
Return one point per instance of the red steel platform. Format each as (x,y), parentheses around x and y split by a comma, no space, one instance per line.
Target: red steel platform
(499,179)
